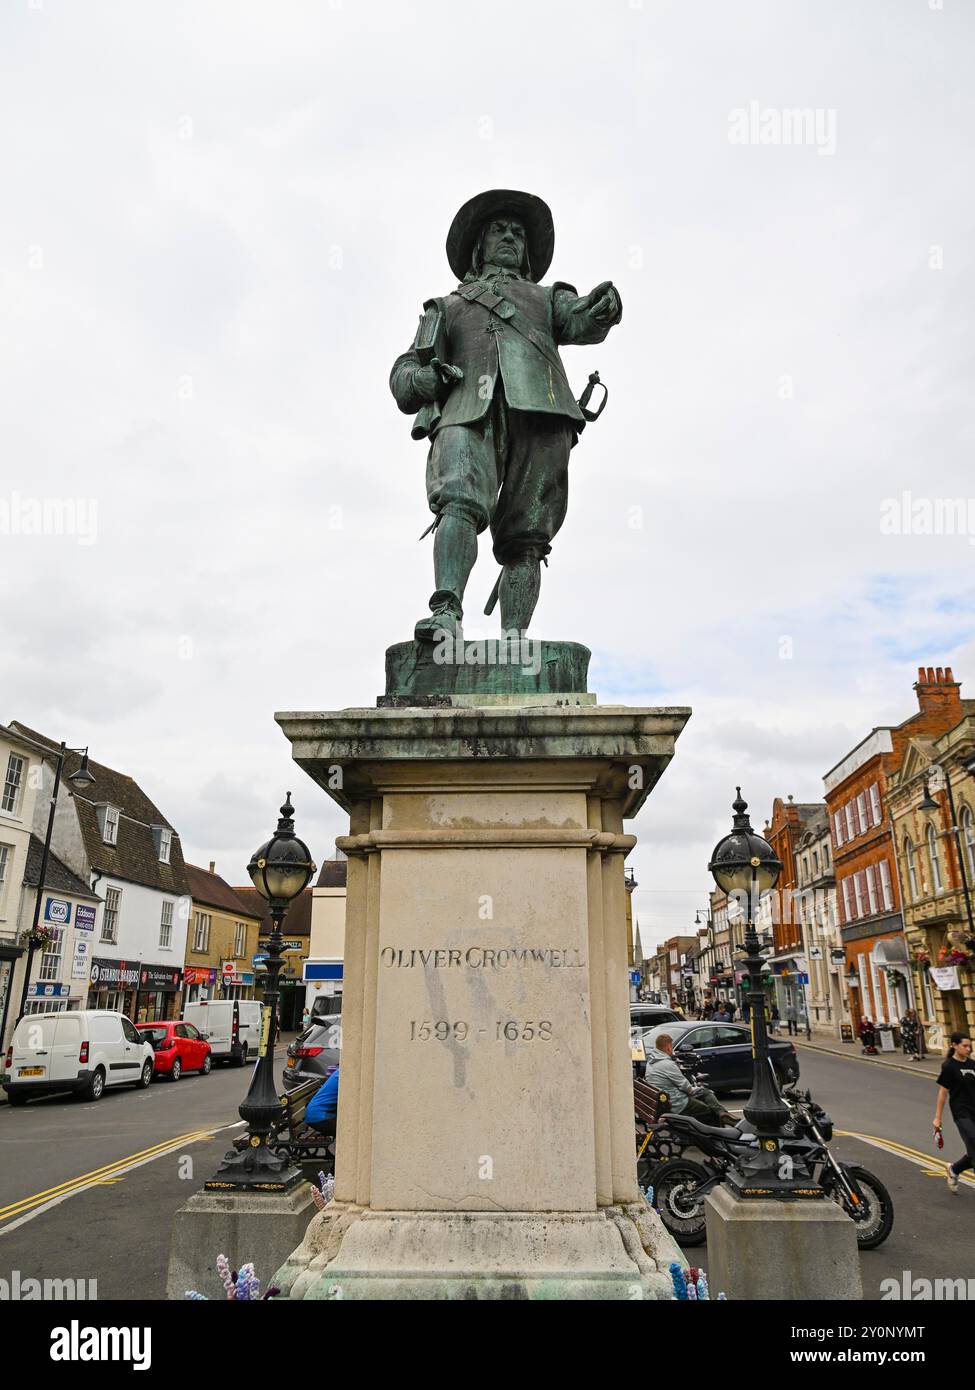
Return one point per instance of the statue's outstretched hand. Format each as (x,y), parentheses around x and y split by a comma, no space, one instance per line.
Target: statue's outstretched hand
(603,303)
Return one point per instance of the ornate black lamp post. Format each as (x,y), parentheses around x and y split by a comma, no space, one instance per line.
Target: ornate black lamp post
(745,866)
(280,870)
(81,779)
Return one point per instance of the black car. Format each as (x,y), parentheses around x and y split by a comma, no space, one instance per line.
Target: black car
(315,1052)
(724,1053)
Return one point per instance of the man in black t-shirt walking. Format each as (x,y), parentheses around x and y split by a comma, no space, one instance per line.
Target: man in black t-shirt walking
(956,1084)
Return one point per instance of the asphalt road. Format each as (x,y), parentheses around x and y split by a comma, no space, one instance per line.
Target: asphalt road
(934,1231)
(89,1191)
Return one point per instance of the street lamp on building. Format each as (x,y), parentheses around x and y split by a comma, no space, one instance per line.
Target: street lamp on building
(745,866)
(280,871)
(81,779)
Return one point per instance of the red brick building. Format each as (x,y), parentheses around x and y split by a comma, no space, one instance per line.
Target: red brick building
(788,961)
(867,888)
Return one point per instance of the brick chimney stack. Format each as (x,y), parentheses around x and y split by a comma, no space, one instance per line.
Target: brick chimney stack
(213,866)
(938,692)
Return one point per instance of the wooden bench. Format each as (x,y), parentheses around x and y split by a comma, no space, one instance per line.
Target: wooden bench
(307,1147)
(650,1106)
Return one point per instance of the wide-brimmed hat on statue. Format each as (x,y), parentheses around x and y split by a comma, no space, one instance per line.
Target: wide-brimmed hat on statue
(534,214)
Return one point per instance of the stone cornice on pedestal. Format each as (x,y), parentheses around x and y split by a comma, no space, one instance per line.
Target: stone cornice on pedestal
(595,747)
(598,841)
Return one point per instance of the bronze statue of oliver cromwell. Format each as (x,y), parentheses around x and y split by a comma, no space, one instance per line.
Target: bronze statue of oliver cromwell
(485,375)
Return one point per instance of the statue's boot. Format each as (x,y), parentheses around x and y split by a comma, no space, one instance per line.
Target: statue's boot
(454,553)
(521,583)
(445,618)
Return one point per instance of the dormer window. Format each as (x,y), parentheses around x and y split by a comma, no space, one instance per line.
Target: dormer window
(108,818)
(163,839)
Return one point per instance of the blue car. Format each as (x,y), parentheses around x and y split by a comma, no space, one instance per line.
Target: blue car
(724,1053)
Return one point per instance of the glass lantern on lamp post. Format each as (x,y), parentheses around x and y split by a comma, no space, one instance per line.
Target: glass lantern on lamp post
(280,871)
(745,866)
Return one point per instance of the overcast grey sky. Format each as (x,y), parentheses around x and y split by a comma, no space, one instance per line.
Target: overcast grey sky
(221,220)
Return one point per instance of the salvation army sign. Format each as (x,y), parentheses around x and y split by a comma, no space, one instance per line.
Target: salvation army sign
(162,979)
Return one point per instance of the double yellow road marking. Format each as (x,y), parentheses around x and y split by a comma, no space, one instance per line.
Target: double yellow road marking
(109,1173)
(934,1167)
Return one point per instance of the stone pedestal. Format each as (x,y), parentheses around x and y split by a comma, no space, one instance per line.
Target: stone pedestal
(796,1250)
(485,1137)
(248,1227)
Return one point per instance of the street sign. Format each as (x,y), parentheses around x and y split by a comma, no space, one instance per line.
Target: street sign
(803,979)
(228,969)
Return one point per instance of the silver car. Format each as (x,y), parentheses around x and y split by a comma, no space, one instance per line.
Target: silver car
(315,1053)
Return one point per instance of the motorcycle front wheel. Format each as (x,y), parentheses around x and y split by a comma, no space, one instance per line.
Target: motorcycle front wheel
(673,1183)
(875,1219)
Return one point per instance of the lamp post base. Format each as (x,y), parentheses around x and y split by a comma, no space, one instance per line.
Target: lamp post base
(260,1228)
(254,1169)
(767,1249)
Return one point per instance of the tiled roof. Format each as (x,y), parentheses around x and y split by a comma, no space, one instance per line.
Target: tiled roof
(134,857)
(298,920)
(213,891)
(58,877)
(334,874)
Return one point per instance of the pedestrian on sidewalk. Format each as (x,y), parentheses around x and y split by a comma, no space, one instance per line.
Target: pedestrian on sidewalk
(868,1038)
(790,1019)
(772,1017)
(912,1038)
(956,1084)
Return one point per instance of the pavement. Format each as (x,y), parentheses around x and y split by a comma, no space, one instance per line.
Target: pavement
(929,1065)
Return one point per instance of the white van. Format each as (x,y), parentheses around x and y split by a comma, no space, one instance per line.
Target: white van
(82,1051)
(232,1027)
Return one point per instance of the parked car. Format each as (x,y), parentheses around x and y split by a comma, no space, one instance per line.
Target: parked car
(81,1051)
(647,1015)
(232,1027)
(642,1017)
(315,1052)
(724,1053)
(177,1047)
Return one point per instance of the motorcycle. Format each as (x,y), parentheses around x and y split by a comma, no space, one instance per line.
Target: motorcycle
(681,1184)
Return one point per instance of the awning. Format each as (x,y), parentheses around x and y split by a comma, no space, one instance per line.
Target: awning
(890,951)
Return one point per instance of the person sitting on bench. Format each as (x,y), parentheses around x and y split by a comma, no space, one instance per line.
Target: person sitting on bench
(685,1099)
(322,1109)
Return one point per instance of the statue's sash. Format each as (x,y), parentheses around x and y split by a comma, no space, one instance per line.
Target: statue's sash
(496,304)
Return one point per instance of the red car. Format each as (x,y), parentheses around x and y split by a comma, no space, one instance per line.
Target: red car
(178,1047)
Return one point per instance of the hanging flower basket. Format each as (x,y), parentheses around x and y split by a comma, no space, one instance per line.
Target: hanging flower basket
(954,955)
(38,936)
(922,961)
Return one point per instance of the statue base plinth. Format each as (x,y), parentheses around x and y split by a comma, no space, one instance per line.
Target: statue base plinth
(614,1253)
(485,1125)
(486,672)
